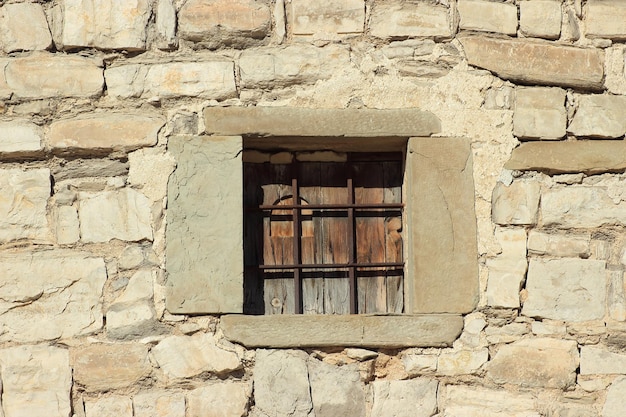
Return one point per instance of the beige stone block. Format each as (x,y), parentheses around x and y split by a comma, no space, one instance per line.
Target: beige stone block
(105,132)
(113,406)
(336,390)
(394,18)
(105,24)
(507,333)
(568,289)
(412,398)
(208,401)
(597,360)
(23,204)
(159,404)
(15,35)
(591,157)
(488,16)
(224,22)
(560,245)
(599,116)
(506,276)
(441,224)
(418,364)
(36,381)
(464,401)
(149,171)
(614,405)
(290,121)
(536,62)
(67,226)
(124,214)
(461,362)
(605,19)
(211,79)
(516,204)
(47,75)
(132,314)
(166,24)
(617,296)
(189,356)
(283,331)
(102,367)
(541,18)
(548,328)
(539,113)
(581,207)
(20,137)
(542,362)
(204,254)
(295,64)
(325,18)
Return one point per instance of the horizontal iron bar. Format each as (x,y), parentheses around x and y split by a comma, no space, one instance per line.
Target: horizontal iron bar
(331,206)
(334,266)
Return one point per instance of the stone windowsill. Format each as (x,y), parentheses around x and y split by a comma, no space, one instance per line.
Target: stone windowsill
(374,331)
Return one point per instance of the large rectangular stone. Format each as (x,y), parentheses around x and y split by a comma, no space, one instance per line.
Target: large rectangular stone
(104,132)
(396,18)
(541,18)
(581,207)
(591,157)
(466,401)
(599,116)
(281,121)
(595,360)
(20,137)
(204,226)
(536,62)
(283,331)
(106,24)
(50,295)
(539,113)
(327,17)
(488,16)
(16,36)
(211,79)
(605,19)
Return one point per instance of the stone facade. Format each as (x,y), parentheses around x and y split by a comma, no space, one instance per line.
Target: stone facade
(123,129)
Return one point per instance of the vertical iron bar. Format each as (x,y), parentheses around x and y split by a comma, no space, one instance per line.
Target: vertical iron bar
(296,244)
(354,299)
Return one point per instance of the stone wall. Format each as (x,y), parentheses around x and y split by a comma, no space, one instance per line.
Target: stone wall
(91,92)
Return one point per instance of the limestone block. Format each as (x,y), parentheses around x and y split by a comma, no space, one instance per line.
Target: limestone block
(89,167)
(581,207)
(461,362)
(599,361)
(204,234)
(542,362)
(188,356)
(105,24)
(564,246)
(566,289)
(336,391)
(463,401)
(132,314)
(50,295)
(540,62)
(159,404)
(617,296)
(36,381)
(209,400)
(281,385)
(417,19)
(323,19)
(413,398)
(507,333)
(488,16)
(20,137)
(102,367)
(540,18)
(615,81)
(166,24)
(516,204)
(416,364)
(211,79)
(113,406)
(123,214)
(539,112)
(67,226)
(599,116)
(548,327)
(224,22)
(591,157)
(614,405)
(17,36)
(295,64)
(48,75)
(512,242)
(605,19)
(506,276)
(109,132)
(149,171)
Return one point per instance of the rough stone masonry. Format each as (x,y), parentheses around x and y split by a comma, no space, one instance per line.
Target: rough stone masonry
(103,104)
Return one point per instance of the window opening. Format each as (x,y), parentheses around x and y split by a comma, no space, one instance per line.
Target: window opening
(324,237)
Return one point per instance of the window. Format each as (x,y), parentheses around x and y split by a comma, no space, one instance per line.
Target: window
(324,237)
(205,224)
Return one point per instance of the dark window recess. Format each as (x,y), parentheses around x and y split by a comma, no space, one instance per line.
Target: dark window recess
(324,237)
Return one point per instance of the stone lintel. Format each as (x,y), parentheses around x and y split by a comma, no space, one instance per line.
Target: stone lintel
(381,331)
(589,156)
(290,121)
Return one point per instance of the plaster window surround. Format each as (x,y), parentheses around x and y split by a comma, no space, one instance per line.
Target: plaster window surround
(204,258)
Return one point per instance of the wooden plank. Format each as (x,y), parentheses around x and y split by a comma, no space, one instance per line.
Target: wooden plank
(370,237)
(392,177)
